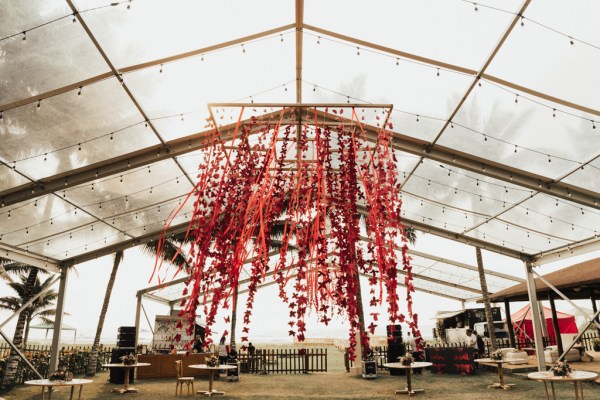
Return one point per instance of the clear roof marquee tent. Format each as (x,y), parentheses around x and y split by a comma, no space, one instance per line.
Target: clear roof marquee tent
(496,117)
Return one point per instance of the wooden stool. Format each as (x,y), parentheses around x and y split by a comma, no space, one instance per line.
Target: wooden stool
(183,379)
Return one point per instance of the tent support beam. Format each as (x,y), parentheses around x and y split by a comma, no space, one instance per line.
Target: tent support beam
(31,300)
(299,37)
(58,319)
(535,320)
(465,239)
(464,266)
(171,149)
(21,355)
(575,249)
(562,295)
(578,337)
(35,260)
(557,336)
(509,324)
(138,309)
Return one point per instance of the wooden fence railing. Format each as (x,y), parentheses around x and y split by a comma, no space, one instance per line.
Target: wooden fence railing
(74,358)
(283,361)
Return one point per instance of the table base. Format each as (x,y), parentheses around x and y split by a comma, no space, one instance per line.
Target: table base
(128,390)
(505,386)
(410,392)
(210,392)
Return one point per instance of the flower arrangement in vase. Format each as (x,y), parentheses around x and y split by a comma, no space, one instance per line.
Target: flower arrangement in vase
(496,355)
(61,374)
(212,361)
(407,360)
(561,368)
(129,359)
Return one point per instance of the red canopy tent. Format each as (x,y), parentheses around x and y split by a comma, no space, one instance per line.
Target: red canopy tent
(524,329)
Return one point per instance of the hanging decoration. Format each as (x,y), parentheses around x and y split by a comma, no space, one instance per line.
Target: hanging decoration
(319,185)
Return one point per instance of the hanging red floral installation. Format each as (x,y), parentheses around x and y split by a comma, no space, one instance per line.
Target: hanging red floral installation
(310,195)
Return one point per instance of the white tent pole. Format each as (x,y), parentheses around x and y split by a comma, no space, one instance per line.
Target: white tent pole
(60,308)
(137,318)
(535,312)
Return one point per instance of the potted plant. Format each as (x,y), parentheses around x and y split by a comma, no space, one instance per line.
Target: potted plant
(129,359)
(61,374)
(561,368)
(496,355)
(212,361)
(407,360)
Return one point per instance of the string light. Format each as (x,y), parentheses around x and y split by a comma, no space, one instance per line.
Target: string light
(80,89)
(243,49)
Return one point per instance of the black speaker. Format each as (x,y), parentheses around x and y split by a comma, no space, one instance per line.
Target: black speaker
(126,343)
(117,375)
(127,329)
(369,369)
(126,336)
(394,351)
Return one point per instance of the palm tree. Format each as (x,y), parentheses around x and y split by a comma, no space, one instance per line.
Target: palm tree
(486,299)
(43,306)
(91,368)
(13,361)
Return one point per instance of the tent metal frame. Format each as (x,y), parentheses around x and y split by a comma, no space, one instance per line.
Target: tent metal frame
(431,150)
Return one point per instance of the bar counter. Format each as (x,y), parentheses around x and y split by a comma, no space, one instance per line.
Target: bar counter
(163,365)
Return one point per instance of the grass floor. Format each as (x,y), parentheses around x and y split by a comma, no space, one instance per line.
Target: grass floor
(331,385)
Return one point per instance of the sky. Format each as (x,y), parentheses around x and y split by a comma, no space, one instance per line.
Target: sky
(87,285)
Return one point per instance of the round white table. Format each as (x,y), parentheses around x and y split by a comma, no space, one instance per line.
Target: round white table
(500,384)
(409,389)
(46,383)
(577,377)
(211,373)
(127,369)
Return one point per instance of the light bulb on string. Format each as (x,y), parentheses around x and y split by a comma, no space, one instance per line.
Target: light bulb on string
(438,72)
(554,112)
(593,124)
(80,89)
(243,49)
(318,39)
(475,7)
(79,147)
(281,37)
(161,69)
(522,20)
(516,98)
(571,40)
(39,104)
(24,36)
(358,51)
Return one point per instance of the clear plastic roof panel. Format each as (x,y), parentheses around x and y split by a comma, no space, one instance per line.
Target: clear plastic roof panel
(542,59)
(185,87)
(340,73)
(69,131)
(553,50)
(586,177)
(466,36)
(137,190)
(539,137)
(62,47)
(151,29)
(10,178)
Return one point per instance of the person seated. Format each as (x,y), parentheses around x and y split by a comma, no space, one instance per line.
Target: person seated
(197,346)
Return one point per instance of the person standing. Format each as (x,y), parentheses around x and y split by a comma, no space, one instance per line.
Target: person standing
(223,351)
(471,339)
